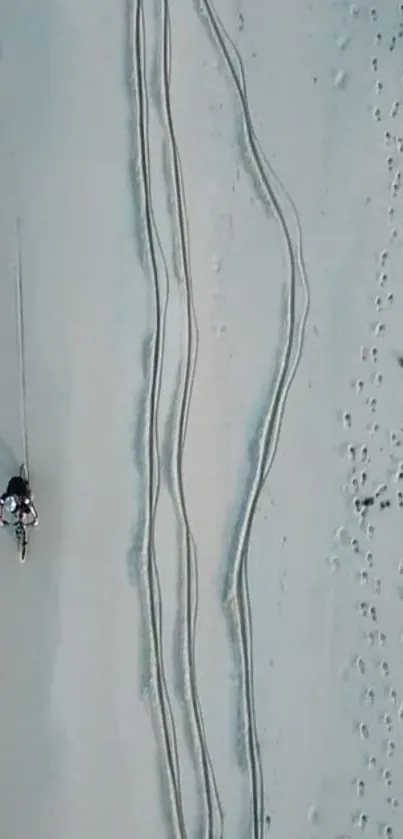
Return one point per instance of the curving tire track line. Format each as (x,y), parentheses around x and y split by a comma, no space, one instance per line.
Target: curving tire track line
(164,710)
(240,597)
(299,258)
(212,810)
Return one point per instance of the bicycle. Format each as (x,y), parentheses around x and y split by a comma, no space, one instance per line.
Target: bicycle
(19,526)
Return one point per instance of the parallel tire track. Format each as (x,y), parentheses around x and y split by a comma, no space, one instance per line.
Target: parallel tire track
(271,427)
(166,721)
(212,806)
(299,259)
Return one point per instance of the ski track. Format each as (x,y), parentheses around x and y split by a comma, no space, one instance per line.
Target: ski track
(212,810)
(21,348)
(152,586)
(239,597)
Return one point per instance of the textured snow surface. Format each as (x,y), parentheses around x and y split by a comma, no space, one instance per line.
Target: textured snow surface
(206,638)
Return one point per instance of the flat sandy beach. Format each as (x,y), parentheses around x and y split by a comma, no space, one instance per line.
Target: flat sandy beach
(205,640)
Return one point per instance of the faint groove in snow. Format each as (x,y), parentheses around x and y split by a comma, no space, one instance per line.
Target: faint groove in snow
(152,244)
(239,596)
(21,348)
(212,809)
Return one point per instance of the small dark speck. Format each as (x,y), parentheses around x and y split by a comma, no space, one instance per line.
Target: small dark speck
(368,501)
(400,360)
(268,821)
(315,79)
(384,504)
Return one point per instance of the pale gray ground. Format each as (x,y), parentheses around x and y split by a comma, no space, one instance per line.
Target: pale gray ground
(88,677)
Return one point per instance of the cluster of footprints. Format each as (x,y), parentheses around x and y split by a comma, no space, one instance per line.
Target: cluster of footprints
(371,494)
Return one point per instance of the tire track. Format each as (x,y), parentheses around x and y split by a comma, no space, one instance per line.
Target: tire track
(212,810)
(152,586)
(21,348)
(239,594)
(300,263)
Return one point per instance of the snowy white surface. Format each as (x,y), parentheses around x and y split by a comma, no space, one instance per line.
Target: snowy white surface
(206,638)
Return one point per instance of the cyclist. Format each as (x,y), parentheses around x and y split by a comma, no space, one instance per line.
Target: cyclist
(18,498)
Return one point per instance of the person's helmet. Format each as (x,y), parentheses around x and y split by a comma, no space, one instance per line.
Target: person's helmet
(11,504)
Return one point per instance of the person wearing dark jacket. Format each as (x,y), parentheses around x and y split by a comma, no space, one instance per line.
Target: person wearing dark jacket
(17,499)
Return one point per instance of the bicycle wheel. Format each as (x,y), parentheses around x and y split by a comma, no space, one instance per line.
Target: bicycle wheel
(22,541)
